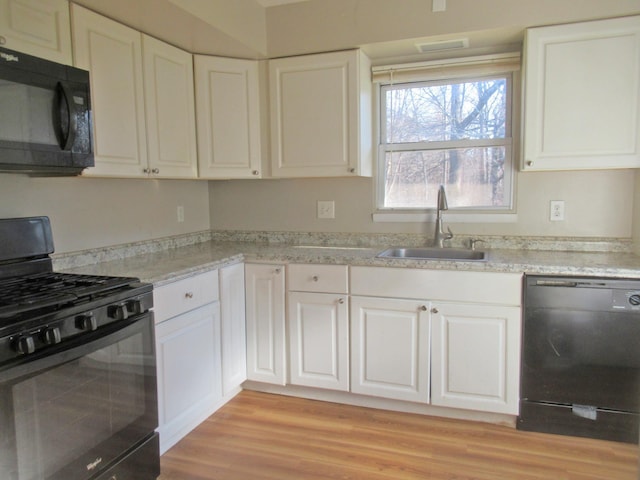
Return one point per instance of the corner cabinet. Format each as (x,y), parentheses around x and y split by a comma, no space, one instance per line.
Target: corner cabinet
(143,100)
(321,123)
(265,310)
(582,95)
(37,27)
(233,329)
(228,117)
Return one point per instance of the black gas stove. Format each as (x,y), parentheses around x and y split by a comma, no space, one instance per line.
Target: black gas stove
(78,398)
(40,308)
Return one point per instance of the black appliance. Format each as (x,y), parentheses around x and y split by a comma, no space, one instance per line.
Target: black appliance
(581,357)
(78,398)
(45,116)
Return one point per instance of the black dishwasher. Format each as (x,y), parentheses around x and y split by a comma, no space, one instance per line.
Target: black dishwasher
(580,372)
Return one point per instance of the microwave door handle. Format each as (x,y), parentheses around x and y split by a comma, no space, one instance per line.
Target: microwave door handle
(67,138)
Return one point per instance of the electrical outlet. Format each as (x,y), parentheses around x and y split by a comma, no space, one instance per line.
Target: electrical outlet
(556,210)
(180,212)
(326,209)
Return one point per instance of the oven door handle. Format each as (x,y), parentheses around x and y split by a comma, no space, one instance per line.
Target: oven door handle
(78,347)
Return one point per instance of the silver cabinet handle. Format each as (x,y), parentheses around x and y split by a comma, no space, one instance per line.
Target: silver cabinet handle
(277,270)
(155,170)
(341,301)
(315,278)
(255,172)
(146,170)
(188,295)
(434,310)
(352,170)
(423,308)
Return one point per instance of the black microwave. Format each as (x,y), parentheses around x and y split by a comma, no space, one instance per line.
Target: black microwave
(45,116)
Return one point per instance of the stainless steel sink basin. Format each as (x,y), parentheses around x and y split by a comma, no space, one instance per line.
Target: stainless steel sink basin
(427,253)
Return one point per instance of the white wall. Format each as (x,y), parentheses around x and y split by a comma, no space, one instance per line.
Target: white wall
(598,204)
(90,212)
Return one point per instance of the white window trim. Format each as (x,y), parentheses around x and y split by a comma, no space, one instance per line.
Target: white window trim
(435,70)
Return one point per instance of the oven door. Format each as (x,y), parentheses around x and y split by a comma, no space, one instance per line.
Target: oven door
(74,412)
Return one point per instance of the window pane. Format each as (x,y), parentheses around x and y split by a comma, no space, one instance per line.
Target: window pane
(454,111)
(473,177)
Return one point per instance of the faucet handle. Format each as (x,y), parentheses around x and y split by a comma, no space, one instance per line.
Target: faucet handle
(450,234)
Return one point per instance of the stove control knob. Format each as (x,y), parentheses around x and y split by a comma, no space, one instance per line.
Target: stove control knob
(25,345)
(51,336)
(135,306)
(635,299)
(118,312)
(87,322)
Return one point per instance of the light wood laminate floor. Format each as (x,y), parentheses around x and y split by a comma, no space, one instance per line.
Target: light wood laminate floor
(261,436)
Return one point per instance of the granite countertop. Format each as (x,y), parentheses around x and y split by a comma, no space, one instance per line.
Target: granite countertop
(160,267)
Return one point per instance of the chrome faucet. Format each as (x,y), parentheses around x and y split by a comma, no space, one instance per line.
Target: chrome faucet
(440,235)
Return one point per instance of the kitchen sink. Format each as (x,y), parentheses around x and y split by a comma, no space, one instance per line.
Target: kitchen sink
(429,253)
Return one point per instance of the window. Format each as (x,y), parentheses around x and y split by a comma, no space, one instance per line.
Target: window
(454,132)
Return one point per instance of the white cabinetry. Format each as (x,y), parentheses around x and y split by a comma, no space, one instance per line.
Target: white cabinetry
(475,322)
(187,317)
(143,100)
(232,310)
(318,326)
(582,95)
(170,110)
(475,351)
(321,115)
(390,348)
(265,310)
(228,114)
(37,27)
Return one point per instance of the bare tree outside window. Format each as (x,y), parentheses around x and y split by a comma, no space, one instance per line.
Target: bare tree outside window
(453,133)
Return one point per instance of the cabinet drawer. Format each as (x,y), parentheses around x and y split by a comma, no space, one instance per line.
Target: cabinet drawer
(318,278)
(184,295)
(445,285)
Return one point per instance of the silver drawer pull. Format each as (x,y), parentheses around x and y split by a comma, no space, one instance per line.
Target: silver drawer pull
(188,295)
(315,278)
(341,301)
(434,310)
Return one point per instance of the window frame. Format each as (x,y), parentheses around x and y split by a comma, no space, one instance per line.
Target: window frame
(461,70)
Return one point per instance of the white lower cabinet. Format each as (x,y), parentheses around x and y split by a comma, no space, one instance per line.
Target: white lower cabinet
(265,311)
(475,357)
(390,348)
(187,315)
(233,329)
(319,340)
(189,374)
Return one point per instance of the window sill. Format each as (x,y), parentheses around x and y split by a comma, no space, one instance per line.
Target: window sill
(393,217)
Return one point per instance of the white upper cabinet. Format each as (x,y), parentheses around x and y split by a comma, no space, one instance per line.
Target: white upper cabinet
(228,117)
(37,27)
(170,110)
(113,55)
(143,100)
(581,100)
(321,115)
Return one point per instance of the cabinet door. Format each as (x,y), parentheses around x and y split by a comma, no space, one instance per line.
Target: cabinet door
(228,116)
(265,323)
(188,363)
(390,348)
(476,357)
(170,110)
(319,340)
(320,125)
(581,102)
(234,338)
(113,55)
(37,27)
